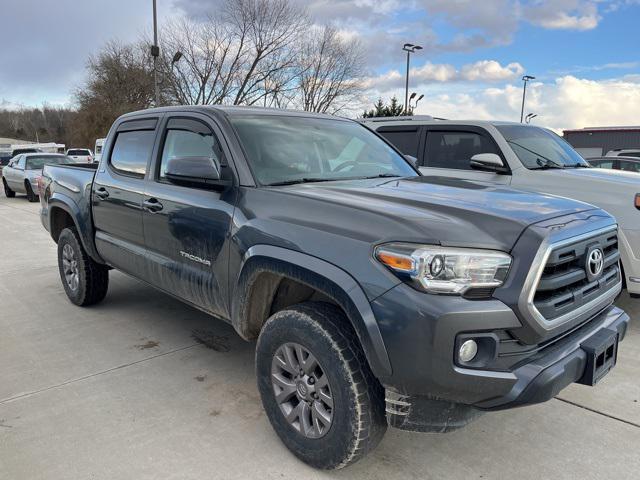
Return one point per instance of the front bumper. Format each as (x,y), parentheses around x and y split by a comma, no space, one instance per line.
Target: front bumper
(420,332)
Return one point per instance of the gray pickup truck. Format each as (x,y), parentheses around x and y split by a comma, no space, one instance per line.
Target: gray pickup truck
(377,296)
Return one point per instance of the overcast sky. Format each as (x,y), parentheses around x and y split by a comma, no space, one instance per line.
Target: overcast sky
(584,53)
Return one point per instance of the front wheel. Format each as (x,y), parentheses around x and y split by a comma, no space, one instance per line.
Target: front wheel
(7,191)
(85,281)
(31,195)
(317,388)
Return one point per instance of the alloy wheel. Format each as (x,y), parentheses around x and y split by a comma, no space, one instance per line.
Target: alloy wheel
(302,390)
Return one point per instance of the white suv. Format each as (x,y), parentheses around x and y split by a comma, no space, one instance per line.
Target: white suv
(524,157)
(624,152)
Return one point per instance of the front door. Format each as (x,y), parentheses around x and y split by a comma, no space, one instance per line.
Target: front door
(448,151)
(117,196)
(187,228)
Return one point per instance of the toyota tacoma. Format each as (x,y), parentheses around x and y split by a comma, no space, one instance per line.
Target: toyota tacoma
(377,296)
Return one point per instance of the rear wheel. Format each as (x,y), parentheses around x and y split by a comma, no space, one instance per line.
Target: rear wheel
(31,195)
(85,281)
(316,386)
(7,191)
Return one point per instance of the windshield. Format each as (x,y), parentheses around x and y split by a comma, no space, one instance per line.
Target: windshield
(285,149)
(539,148)
(36,163)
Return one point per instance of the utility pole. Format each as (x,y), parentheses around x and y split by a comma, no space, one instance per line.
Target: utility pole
(155,53)
(525,79)
(409,48)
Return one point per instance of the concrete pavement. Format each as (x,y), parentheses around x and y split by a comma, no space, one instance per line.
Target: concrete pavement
(143,386)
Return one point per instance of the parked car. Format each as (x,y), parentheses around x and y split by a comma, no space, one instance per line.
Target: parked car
(23,173)
(626,164)
(624,152)
(369,287)
(524,157)
(98,149)
(4,160)
(80,155)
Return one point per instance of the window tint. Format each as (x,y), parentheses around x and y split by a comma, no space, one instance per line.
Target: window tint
(602,163)
(628,166)
(188,138)
(455,149)
(404,140)
(78,151)
(132,151)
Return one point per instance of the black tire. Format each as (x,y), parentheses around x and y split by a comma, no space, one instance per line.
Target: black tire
(358,420)
(7,191)
(31,195)
(91,279)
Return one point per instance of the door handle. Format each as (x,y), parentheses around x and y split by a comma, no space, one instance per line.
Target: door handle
(152,205)
(102,193)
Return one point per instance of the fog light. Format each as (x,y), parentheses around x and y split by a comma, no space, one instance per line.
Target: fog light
(468,351)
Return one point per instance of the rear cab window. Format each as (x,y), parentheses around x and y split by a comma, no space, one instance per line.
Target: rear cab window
(404,138)
(133,146)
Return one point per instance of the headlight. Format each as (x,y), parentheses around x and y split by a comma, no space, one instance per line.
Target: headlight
(445,270)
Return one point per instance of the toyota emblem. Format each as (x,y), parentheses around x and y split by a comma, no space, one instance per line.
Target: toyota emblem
(595,263)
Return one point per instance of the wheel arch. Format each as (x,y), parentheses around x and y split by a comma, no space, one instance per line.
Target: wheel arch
(63,212)
(263,272)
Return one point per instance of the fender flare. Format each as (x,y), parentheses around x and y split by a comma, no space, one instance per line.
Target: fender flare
(67,204)
(323,276)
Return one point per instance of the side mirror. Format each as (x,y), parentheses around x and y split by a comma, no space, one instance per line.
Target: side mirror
(488,162)
(203,172)
(412,160)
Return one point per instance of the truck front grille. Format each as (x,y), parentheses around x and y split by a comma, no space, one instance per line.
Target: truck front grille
(568,281)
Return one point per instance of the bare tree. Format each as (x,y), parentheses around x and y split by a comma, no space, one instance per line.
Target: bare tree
(330,67)
(246,54)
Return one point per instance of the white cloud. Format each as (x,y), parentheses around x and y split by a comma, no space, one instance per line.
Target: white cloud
(568,102)
(490,71)
(563,14)
(487,71)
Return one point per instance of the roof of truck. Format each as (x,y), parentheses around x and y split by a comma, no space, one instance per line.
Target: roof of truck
(426,120)
(235,110)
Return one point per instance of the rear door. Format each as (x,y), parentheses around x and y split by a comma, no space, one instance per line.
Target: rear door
(186,228)
(447,152)
(117,195)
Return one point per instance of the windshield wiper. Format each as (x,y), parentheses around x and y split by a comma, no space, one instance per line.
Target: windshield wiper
(382,175)
(546,164)
(300,180)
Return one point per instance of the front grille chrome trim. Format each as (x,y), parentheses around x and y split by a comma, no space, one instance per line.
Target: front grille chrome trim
(526,301)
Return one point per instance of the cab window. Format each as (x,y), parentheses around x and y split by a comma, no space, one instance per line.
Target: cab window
(451,149)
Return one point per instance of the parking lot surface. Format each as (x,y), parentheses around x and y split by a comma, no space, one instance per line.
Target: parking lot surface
(143,386)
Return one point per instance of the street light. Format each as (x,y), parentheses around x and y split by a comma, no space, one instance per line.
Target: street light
(530,117)
(155,53)
(176,58)
(409,48)
(417,100)
(525,79)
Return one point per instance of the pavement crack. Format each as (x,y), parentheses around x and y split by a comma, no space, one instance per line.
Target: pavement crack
(612,417)
(85,377)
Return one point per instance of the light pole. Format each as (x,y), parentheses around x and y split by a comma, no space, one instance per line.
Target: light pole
(409,48)
(525,79)
(155,53)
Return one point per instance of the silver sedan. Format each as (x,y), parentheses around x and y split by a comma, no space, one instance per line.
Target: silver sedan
(23,171)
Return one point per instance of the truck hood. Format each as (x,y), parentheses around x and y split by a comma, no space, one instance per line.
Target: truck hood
(448,211)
